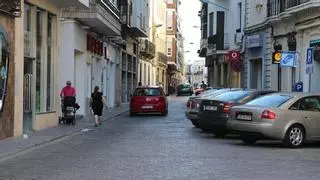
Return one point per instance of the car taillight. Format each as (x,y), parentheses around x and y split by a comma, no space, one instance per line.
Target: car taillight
(227,107)
(268,114)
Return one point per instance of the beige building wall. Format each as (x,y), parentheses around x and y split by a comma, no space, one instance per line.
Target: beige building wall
(18,61)
(50,119)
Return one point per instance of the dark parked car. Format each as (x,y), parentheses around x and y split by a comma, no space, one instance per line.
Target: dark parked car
(194,102)
(184,89)
(214,113)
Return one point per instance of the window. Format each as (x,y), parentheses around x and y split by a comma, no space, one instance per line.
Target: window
(4,62)
(39,73)
(169,52)
(270,100)
(211,21)
(240,17)
(307,104)
(45,90)
(148,92)
(169,20)
(232,95)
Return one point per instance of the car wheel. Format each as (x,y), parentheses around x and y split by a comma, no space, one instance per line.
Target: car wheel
(294,137)
(220,134)
(249,140)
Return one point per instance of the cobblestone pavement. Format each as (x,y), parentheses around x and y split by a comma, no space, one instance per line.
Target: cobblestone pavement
(156,147)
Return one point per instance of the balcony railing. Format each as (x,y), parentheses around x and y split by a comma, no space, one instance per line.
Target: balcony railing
(147,48)
(110,6)
(162,58)
(276,7)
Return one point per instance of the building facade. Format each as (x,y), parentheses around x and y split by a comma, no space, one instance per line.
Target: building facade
(158,30)
(11,56)
(258,68)
(222,26)
(134,19)
(41,105)
(295,28)
(90,51)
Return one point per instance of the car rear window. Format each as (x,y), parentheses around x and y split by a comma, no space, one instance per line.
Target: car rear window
(275,100)
(184,86)
(232,95)
(148,92)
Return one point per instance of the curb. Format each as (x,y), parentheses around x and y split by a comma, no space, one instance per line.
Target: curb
(75,132)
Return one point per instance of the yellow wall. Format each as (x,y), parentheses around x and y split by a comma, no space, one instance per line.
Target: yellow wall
(50,119)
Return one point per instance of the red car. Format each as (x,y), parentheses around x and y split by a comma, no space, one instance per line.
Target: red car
(148,99)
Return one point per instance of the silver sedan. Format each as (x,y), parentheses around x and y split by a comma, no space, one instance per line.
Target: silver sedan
(291,117)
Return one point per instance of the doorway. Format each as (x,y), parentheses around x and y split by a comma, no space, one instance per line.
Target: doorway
(28,95)
(256,74)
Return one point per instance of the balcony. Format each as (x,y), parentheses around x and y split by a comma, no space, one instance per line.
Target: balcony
(216,46)
(203,48)
(147,49)
(102,16)
(162,59)
(278,10)
(71,3)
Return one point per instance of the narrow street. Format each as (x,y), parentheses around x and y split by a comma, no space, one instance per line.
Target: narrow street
(156,147)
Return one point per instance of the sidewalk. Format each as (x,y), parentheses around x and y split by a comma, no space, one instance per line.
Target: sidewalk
(11,146)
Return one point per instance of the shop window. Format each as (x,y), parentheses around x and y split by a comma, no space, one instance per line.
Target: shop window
(45,90)
(4,63)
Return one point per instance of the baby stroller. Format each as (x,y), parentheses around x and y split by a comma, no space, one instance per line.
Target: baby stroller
(69,109)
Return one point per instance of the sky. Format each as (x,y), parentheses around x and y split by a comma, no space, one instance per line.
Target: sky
(189,15)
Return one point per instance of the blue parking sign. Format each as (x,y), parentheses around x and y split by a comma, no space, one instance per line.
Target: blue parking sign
(310,56)
(309,61)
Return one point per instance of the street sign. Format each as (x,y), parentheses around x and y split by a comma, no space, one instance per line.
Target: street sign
(309,61)
(288,59)
(298,87)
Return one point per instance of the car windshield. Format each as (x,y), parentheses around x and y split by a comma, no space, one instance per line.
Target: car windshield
(270,100)
(147,92)
(232,95)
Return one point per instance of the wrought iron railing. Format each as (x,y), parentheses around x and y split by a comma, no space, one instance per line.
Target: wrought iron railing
(276,7)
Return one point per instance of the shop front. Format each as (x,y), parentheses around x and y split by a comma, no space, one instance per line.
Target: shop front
(88,62)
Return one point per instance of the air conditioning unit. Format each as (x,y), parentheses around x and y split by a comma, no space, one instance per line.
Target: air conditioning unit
(238,38)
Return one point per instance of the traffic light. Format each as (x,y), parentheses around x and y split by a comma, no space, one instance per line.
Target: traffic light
(276,57)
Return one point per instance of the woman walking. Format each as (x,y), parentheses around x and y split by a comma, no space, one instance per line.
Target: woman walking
(96,103)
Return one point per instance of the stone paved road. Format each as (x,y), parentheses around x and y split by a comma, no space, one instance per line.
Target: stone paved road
(155,147)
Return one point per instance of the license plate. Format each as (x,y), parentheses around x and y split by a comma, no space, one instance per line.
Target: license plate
(210,108)
(147,107)
(70,108)
(244,117)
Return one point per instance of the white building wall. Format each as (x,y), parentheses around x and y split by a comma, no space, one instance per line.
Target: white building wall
(256,12)
(83,68)
(232,19)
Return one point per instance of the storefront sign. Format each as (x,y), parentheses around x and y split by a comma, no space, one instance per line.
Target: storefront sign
(288,59)
(234,55)
(95,46)
(253,41)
